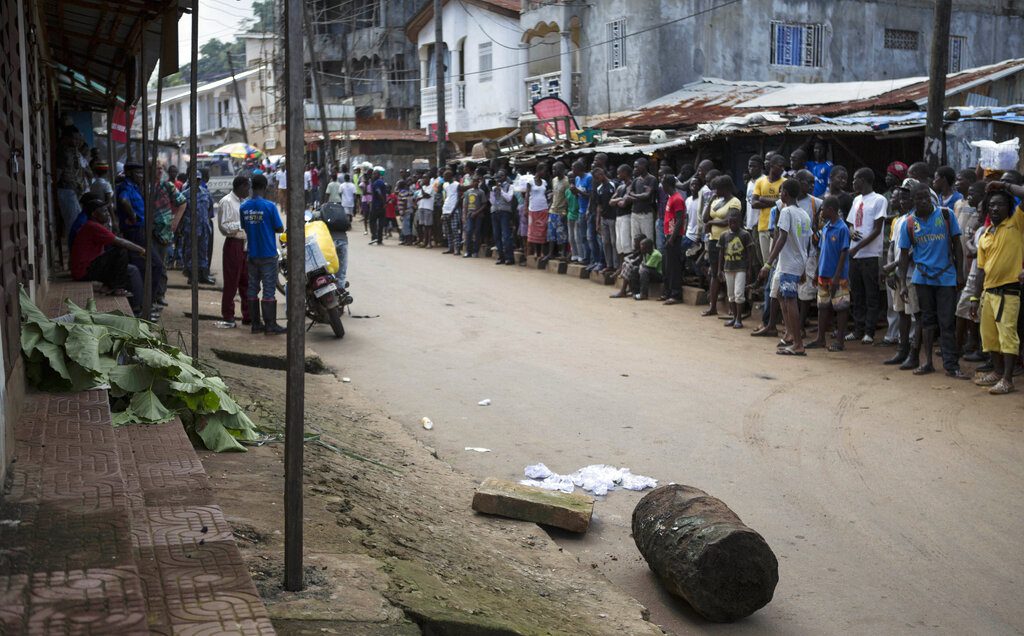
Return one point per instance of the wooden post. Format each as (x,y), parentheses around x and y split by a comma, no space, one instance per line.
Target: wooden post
(238,100)
(442,126)
(296,301)
(318,94)
(934,134)
(193,182)
(147,194)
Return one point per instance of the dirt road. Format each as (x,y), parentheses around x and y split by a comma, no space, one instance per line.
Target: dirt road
(893,502)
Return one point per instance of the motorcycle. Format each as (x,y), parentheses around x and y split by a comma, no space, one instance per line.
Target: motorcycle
(325,298)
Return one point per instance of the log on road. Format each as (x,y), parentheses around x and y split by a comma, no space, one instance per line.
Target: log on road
(703,553)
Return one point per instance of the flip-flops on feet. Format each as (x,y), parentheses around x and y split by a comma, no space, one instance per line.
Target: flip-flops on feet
(783,343)
(764,333)
(835,347)
(1002,388)
(989,379)
(790,352)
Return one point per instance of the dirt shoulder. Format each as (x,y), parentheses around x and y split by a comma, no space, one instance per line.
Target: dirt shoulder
(391,542)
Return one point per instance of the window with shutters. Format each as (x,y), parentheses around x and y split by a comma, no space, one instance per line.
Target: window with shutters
(957,53)
(484,51)
(797,44)
(901,40)
(617,44)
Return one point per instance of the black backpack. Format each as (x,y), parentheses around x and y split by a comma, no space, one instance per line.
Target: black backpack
(334,215)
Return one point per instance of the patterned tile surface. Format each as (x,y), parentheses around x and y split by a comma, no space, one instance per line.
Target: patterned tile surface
(115,531)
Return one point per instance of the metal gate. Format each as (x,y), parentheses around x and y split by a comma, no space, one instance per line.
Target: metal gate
(14,265)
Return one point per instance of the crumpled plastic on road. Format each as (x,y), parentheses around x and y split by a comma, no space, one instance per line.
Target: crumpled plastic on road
(598,479)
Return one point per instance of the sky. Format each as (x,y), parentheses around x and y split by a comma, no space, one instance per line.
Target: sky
(217,19)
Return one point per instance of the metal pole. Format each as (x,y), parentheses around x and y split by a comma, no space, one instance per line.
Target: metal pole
(111,159)
(151,192)
(318,92)
(193,183)
(442,127)
(147,195)
(934,145)
(296,379)
(238,101)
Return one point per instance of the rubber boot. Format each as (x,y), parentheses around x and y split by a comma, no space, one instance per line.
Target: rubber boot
(913,360)
(901,355)
(205,278)
(270,319)
(254,314)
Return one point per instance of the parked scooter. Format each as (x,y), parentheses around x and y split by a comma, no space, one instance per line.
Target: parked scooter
(325,298)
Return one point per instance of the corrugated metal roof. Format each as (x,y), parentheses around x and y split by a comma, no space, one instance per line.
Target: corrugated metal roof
(714,99)
(371,135)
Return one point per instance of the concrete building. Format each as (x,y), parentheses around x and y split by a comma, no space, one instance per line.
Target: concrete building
(484,91)
(631,52)
(264,117)
(217,119)
(366,61)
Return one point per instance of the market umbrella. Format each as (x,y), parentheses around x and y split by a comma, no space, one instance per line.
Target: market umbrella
(239,151)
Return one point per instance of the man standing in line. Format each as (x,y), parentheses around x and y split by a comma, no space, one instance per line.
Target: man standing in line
(867,214)
(789,255)
(643,192)
(379,192)
(204,230)
(234,258)
(282,188)
(938,256)
(501,219)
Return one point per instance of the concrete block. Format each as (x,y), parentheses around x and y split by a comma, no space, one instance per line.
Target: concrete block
(602,279)
(575,270)
(520,257)
(532,262)
(557,267)
(654,290)
(694,295)
(570,512)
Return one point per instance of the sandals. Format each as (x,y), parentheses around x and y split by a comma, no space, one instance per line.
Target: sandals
(790,352)
(989,379)
(783,343)
(836,347)
(764,332)
(709,312)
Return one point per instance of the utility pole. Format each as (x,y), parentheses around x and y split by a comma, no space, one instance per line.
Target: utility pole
(295,391)
(192,179)
(238,100)
(318,93)
(934,135)
(442,127)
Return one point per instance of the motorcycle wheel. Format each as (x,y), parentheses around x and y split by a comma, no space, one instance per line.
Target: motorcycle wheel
(334,316)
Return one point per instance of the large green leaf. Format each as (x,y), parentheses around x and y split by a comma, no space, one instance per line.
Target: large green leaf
(125,417)
(215,436)
(124,326)
(31,335)
(149,408)
(158,359)
(131,378)
(55,357)
(83,345)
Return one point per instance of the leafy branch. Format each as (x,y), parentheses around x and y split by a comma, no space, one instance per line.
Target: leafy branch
(149,380)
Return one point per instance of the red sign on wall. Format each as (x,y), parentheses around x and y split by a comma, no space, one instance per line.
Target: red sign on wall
(432,132)
(121,124)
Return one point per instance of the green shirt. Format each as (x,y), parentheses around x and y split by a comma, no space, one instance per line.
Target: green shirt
(653,261)
(572,205)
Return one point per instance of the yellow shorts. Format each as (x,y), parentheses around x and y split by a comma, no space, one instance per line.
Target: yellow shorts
(1000,336)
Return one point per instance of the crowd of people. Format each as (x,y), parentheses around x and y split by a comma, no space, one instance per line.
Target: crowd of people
(928,258)
(104,222)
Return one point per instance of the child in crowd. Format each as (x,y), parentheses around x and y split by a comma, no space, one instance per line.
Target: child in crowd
(736,261)
(905,305)
(650,270)
(472,214)
(968,338)
(833,275)
(789,256)
(630,269)
(391,214)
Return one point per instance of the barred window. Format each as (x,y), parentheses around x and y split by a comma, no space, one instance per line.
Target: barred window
(901,39)
(617,44)
(797,44)
(957,53)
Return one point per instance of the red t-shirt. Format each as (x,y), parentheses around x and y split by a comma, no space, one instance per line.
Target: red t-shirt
(675,211)
(391,206)
(90,242)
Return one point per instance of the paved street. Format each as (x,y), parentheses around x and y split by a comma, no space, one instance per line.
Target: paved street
(892,502)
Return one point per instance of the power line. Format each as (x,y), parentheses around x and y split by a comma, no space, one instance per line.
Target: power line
(487,35)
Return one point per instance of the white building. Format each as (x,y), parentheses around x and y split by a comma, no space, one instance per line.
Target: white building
(217,120)
(485,91)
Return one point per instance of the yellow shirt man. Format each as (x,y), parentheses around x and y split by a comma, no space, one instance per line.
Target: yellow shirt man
(768,190)
(1001,251)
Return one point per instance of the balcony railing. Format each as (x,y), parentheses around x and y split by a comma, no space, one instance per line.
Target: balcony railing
(550,85)
(428,98)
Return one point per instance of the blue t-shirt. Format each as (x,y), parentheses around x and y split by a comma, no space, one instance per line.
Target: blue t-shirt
(128,190)
(834,238)
(261,223)
(379,189)
(932,251)
(583,184)
(951,201)
(821,170)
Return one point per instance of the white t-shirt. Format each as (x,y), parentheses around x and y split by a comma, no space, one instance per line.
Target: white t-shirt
(307,180)
(753,213)
(870,207)
(451,197)
(693,222)
(282,179)
(538,198)
(348,194)
(797,226)
(427,202)
(897,229)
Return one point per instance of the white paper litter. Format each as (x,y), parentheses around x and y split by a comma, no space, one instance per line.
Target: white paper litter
(346,380)
(596,478)
(427,424)
(478,449)
(484,402)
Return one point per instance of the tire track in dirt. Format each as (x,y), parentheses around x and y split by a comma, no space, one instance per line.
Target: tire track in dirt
(753,420)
